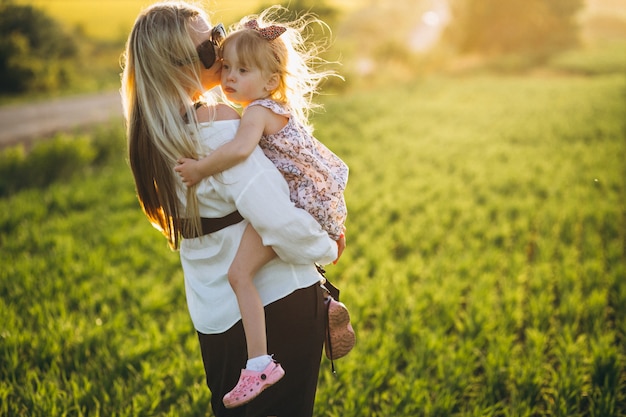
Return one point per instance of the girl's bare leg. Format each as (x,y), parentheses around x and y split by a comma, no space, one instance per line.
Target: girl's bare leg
(250,257)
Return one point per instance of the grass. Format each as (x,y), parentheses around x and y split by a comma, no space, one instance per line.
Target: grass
(485,269)
(487,227)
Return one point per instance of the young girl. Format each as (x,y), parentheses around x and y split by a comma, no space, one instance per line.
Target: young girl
(269,71)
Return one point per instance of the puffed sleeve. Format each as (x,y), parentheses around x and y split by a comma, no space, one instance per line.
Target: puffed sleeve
(261,195)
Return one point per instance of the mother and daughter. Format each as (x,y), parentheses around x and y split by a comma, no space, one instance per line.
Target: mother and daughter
(248,239)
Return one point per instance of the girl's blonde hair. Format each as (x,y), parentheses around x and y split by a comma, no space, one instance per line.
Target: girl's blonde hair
(294,56)
(160,80)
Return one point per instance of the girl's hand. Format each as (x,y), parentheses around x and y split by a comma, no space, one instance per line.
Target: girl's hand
(341,245)
(188,170)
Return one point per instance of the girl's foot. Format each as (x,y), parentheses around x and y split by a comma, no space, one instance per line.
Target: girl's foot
(252,383)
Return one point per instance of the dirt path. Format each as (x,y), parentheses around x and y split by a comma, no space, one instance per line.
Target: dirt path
(28,122)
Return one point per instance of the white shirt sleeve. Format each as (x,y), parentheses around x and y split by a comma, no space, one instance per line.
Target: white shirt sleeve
(261,195)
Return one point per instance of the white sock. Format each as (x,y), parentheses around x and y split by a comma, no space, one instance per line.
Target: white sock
(259,363)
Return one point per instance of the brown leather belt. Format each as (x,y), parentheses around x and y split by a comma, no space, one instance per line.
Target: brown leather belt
(212,225)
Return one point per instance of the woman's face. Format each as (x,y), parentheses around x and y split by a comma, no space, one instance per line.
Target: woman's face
(200,32)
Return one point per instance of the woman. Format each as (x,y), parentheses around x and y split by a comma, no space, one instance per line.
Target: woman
(171,59)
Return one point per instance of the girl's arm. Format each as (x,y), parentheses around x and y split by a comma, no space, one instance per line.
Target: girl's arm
(251,128)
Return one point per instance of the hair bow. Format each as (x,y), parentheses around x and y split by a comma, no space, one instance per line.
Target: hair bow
(269,33)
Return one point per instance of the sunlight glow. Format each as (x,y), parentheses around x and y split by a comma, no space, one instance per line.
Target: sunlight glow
(429,28)
(431,18)
(364,66)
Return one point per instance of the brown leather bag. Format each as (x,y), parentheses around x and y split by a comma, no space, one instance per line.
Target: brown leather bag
(340,336)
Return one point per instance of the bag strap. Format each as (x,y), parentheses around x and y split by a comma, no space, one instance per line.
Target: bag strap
(333,292)
(327,285)
(328,341)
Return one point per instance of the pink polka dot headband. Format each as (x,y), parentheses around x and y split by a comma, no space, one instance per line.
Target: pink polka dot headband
(269,33)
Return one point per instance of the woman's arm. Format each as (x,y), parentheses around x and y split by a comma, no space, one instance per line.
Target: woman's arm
(251,128)
(261,195)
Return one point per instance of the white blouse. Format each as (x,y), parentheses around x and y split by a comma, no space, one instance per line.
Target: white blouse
(260,193)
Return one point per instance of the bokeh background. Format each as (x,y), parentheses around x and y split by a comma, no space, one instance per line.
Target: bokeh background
(486,264)
(55,46)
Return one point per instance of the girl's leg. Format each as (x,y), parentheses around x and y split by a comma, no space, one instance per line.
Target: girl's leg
(261,371)
(250,257)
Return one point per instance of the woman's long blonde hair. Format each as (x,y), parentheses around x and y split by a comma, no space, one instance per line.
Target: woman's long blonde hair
(294,56)
(161,72)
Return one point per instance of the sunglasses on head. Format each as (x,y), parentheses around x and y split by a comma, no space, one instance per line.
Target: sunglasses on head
(206,50)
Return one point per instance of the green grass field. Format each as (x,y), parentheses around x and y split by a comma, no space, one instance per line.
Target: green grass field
(485,269)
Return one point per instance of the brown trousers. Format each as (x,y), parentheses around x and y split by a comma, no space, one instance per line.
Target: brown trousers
(295,335)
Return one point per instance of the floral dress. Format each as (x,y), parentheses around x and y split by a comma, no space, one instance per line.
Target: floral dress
(316,176)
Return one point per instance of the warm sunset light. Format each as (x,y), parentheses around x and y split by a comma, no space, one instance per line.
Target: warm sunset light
(485,263)
(429,29)
(431,18)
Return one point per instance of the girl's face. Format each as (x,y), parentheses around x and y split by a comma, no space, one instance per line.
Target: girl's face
(201,32)
(242,84)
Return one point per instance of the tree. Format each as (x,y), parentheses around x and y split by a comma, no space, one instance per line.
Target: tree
(530,27)
(34,50)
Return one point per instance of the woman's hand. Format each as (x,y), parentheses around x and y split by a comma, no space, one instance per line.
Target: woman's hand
(189,171)
(341,245)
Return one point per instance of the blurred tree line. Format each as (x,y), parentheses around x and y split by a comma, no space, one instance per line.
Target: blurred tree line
(35,53)
(531,28)
(517,33)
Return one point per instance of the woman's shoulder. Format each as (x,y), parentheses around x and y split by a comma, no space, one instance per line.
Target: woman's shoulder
(272,105)
(216,112)
(225,112)
(217,124)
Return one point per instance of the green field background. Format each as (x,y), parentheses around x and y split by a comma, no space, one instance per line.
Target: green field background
(485,271)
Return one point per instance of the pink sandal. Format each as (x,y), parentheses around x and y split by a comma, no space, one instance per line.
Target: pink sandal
(252,383)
